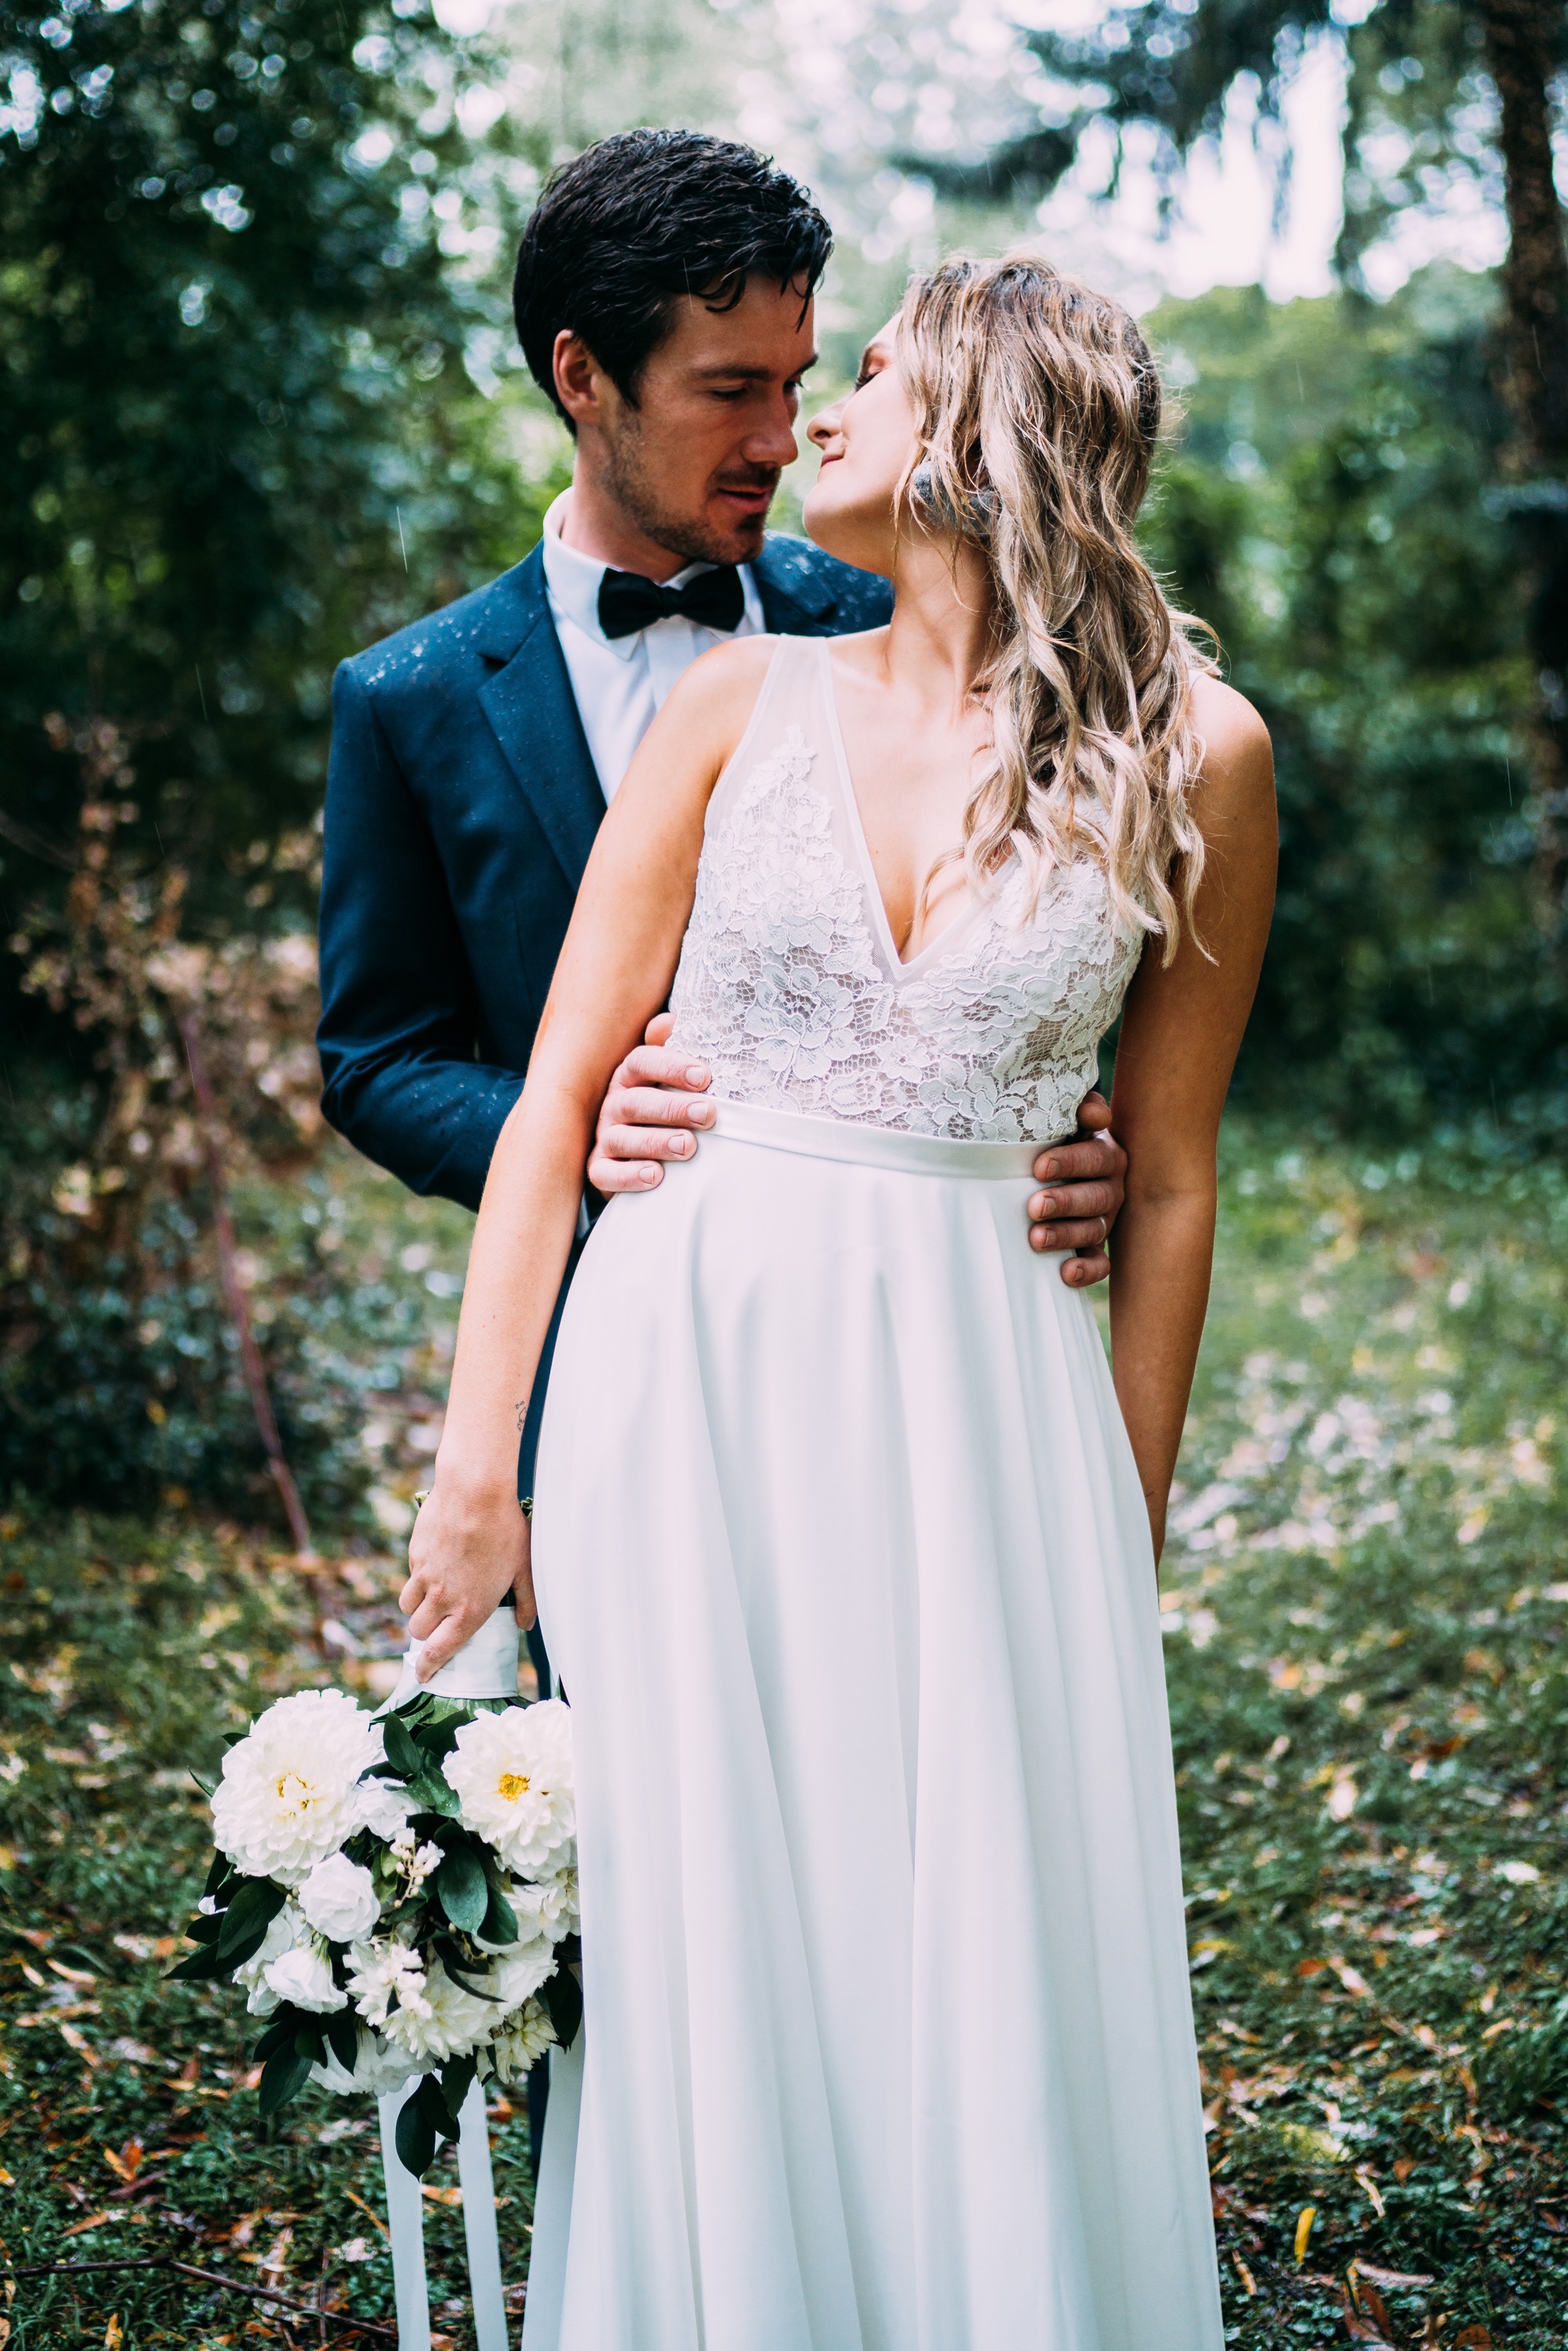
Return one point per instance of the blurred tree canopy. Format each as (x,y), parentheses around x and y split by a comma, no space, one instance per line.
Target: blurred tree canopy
(1326,506)
(242,440)
(1438,91)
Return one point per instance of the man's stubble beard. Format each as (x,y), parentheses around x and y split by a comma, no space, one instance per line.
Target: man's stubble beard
(633,484)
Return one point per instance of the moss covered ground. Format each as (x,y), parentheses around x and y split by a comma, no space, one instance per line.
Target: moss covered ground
(1365,1601)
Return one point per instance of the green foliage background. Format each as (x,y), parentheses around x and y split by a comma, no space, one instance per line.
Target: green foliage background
(255,364)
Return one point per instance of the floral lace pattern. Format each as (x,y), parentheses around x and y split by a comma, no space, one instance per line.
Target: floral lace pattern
(783,991)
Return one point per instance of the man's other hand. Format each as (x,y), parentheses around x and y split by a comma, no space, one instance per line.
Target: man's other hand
(656,1099)
(1086,1181)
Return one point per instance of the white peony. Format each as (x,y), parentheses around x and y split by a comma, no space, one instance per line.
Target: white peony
(289,1793)
(304,1976)
(339,1898)
(511,1773)
(521,2044)
(379,2068)
(251,1975)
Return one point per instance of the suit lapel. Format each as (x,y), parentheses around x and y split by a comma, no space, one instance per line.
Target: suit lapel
(795,602)
(529,704)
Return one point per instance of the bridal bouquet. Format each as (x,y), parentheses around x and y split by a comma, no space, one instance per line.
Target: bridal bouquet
(397,1895)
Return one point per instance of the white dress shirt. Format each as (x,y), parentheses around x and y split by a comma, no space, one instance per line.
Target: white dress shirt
(620,683)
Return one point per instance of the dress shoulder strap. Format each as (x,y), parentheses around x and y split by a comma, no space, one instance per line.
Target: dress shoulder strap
(789,699)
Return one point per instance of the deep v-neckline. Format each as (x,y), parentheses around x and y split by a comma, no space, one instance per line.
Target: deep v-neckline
(870,888)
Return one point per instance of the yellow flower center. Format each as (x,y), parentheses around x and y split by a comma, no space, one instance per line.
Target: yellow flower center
(513,1784)
(292,1790)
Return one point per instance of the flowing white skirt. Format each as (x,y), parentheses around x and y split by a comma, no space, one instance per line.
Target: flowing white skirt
(843,1560)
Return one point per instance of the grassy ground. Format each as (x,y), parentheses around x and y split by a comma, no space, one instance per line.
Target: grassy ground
(1366,1653)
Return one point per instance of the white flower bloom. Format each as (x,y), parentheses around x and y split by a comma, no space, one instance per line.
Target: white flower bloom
(445,2021)
(548,1909)
(512,1776)
(339,1898)
(520,2044)
(289,1793)
(384,1975)
(517,1973)
(414,1860)
(378,2068)
(384,1807)
(304,1976)
(251,1974)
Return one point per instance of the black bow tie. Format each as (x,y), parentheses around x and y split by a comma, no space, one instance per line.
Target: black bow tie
(714,599)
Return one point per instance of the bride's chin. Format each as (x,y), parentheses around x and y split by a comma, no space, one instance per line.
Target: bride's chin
(845,536)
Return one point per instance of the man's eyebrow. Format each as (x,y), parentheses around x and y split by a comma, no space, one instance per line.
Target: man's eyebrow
(752,374)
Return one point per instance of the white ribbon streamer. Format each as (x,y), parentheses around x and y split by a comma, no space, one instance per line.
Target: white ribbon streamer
(485,1667)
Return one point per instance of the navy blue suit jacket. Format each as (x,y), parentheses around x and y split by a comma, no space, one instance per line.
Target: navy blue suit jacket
(461,808)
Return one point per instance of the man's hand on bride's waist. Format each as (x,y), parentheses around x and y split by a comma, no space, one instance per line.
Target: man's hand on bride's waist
(470,1547)
(657,1105)
(656,1099)
(1085,1182)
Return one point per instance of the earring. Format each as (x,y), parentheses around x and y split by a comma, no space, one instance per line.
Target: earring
(930,498)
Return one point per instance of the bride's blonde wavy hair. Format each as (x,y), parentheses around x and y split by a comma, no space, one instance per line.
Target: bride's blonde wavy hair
(1037,409)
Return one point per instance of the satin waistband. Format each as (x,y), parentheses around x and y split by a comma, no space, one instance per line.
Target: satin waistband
(871,1146)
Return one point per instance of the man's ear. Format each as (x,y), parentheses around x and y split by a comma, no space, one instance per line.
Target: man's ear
(581,382)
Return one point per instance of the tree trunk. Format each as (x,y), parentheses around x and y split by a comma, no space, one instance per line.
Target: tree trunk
(1520,37)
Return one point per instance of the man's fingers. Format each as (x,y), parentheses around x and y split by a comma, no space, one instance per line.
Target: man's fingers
(657,1032)
(1089,1266)
(611,1176)
(1073,1162)
(655,1065)
(1094,1111)
(1082,1203)
(627,1106)
(1077,1233)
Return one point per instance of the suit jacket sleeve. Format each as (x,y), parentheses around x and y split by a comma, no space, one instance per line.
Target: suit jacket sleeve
(399,1010)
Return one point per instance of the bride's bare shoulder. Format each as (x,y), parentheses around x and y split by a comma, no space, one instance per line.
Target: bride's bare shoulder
(716,696)
(1238,756)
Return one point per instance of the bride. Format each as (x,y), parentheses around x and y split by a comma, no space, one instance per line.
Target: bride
(887,2045)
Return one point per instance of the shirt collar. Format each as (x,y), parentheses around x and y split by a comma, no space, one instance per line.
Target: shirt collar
(573,581)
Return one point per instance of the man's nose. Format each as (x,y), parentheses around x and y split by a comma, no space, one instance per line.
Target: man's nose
(771,441)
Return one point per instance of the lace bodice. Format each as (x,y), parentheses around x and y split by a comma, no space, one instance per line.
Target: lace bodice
(790,985)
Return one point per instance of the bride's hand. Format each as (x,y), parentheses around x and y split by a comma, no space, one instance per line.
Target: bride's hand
(469,1546)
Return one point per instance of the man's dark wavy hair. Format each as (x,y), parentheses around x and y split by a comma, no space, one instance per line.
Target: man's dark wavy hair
(646,216)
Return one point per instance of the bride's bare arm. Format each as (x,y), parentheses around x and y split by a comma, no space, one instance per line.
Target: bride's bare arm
(1179,1038)
(470,1541)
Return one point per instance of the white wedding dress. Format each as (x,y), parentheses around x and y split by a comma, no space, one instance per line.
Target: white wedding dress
(843,1563)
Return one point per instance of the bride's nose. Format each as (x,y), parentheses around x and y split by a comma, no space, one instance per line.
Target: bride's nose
(825,424)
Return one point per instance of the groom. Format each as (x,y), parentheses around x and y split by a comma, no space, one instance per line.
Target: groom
(663,302)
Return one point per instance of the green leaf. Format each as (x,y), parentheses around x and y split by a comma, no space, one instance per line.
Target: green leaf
(216,1875)
(248,1918)
(456,2075)
(415,2139)
(401,1751)
(279,2033)
(500,1920)
(310,2042)
(433,1795)
(464,1896)
(285,2077)
(343,2037)
(205,1784)
(201,1966)
(562,1996)
(205,1928)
